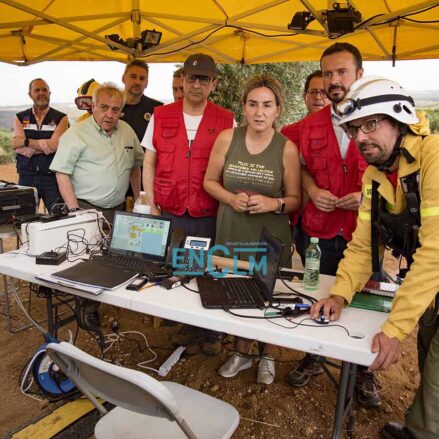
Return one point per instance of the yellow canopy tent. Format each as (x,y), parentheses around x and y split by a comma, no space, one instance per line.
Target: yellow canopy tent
(232,31)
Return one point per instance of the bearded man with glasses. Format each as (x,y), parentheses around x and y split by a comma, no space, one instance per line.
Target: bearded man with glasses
(399,210)
(177,143)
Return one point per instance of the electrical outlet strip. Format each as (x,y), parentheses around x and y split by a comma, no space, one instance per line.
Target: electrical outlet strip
(172,359)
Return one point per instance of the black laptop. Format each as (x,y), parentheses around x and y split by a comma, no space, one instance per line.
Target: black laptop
(138,244)
(255,292)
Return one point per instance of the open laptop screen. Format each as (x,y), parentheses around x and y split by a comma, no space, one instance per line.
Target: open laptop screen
(140,235)
(266,277)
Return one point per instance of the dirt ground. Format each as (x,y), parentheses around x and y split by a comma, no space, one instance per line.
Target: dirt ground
(275,411)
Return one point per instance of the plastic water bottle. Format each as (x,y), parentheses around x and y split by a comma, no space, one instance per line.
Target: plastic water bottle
(312,266)
(141,205)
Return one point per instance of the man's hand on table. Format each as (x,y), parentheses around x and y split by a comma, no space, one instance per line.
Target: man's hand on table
(331,308)
(389,351)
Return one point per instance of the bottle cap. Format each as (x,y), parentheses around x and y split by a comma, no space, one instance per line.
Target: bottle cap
(314,240)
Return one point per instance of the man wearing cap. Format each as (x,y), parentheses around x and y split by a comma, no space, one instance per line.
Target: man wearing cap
(178,143)
(138,108)
(331,177)
(400,209)
(36,135)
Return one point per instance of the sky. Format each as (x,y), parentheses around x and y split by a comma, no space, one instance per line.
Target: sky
(65,77)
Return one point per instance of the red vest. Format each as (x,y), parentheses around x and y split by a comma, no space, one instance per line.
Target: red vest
(180,167)
(292,132)
(321,152)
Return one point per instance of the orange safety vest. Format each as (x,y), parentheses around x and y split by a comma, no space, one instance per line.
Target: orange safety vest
(180,167)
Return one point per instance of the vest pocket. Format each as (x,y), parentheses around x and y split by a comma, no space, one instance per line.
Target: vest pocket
(165,193)
(165,157)
(202,158)
(169,129)
(321,177)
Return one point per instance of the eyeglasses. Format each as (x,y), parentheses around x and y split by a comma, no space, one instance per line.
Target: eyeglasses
(313,92)
(366,127)
(203,80)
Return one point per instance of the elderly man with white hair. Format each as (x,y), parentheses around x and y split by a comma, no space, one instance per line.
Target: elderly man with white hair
(99,157)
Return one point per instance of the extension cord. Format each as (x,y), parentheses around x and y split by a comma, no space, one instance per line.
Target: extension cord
(172,359)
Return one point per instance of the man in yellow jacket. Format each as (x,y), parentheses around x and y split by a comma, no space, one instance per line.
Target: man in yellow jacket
(400,208)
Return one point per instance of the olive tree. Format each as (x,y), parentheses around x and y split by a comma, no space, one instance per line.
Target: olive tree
(292,77)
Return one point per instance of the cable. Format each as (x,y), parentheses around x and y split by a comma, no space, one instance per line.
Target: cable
(243,29)
(297,293)
(25,391)
(113,338)
(280,316)
(190,289)
(22,307)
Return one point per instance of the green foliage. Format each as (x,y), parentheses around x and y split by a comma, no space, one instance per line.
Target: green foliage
(292,76)
(433,116)
(7,154)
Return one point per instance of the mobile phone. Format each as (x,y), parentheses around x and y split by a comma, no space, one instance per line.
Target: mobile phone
(137,283)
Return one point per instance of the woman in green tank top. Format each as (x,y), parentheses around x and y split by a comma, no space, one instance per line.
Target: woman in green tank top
(254,172)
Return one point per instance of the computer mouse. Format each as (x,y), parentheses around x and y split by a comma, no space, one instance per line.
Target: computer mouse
(321,319)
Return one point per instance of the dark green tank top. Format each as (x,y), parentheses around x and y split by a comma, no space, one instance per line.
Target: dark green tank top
(254,174)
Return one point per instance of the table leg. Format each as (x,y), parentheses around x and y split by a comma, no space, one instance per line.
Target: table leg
(346,388)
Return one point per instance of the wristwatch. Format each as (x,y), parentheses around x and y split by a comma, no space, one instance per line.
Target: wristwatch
(26,141)
(281,206)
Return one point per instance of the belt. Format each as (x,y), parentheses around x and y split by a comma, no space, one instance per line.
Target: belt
(99,207)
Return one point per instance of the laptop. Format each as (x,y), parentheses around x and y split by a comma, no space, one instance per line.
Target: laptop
(138,244)
(255,292)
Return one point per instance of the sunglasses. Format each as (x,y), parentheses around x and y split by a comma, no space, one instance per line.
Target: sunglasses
(202,79)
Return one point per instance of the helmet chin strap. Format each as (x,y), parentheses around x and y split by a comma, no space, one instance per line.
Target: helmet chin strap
(385,167)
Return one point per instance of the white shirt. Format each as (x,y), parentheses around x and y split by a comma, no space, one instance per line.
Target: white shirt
(342,139)
(191,123)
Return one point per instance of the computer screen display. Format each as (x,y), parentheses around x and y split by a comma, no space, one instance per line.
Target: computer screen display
(140,235)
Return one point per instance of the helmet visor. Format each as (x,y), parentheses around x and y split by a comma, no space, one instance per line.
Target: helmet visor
(83,102)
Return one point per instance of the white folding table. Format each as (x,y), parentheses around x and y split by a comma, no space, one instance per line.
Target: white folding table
(348,339)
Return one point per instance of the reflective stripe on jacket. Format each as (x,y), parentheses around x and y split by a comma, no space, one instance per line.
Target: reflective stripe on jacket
(39,163)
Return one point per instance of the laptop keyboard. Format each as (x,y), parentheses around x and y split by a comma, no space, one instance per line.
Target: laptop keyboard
(132,264)
(238,291)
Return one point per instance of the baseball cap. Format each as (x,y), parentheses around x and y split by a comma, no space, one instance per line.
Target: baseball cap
(200,64)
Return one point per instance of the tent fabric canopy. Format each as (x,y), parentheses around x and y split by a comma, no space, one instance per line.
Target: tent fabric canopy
(231,31)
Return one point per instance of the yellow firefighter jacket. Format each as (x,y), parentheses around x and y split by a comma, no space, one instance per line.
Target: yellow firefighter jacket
(422,281)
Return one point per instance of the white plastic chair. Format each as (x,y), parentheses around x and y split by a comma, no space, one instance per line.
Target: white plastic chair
(145,408)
